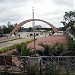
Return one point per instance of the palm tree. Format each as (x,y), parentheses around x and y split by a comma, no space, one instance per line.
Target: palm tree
(55,49)
(22,49)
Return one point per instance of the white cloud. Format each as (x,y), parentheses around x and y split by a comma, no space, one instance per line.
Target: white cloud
(20,10)
(74,4)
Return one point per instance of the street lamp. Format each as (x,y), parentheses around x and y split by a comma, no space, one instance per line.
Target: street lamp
(33,24)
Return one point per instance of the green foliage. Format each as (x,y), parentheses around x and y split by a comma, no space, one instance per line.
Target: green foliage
(71,45)
(69,16)
(51,69)
(59,49)
(46,48)
(69,20)
(4,73)
(7,48)
(30,40)
(18,47)
(55,49)
(22,49)
(33,70)
(70,51)
(30,29)
(40,52)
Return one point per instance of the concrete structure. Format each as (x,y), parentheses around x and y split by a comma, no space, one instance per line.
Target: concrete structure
(29,20)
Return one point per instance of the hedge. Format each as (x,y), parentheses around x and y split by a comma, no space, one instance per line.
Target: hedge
(5,49)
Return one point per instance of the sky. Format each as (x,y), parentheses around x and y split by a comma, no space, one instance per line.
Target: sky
(16,11)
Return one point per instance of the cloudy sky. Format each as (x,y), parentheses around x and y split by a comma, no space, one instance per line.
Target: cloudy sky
(17,11)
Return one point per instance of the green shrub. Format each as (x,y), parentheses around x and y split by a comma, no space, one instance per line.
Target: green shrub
(46,48)
(33,70)
(51,69)
(6,49)
(71,45)
(22,49)
(55,49)
(18,46)
(25,50)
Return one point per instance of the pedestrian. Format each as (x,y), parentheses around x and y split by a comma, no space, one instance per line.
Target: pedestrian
(19,35)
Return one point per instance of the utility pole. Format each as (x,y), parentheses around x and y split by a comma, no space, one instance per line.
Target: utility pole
(33,24)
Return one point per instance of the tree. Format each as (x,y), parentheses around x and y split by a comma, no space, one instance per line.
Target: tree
(56,49)
(7,29)
(22,49)
(15,24)
(10,26)
(37,27)
(30,29)
(4,29)
(69,20)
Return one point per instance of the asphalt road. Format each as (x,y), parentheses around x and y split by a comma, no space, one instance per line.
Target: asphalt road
(23,39)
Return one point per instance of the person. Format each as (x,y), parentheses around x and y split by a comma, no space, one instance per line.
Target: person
(45,35)
(14,33)
(49,33)
(7,36)
(19,35)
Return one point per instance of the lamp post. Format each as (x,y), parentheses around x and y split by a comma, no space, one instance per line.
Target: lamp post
(33,24)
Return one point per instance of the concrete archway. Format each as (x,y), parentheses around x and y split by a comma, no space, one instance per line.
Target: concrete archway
(29,20)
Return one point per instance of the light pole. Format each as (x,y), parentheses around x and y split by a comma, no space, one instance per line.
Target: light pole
(33,24)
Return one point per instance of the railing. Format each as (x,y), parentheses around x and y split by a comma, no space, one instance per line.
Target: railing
(19,64)
(13,64)
(62,64)
(41,65)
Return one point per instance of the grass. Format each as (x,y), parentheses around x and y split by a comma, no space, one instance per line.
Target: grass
(5,49)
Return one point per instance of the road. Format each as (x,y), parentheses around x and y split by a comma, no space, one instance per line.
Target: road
(23,39)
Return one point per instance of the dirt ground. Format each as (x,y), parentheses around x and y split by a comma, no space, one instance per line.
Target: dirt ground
(47,40)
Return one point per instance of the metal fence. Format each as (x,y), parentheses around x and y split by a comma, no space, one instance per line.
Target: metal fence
(41,65)
(14,64)
(62,64)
